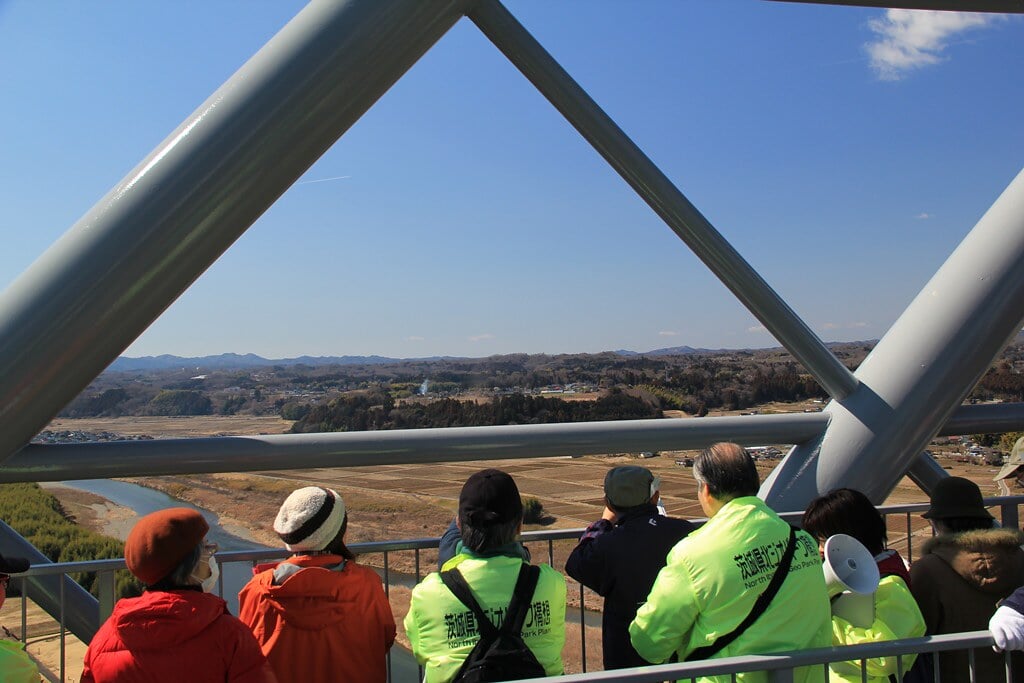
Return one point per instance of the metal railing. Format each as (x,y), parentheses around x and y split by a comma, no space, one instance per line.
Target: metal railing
(104,570)
(781,668)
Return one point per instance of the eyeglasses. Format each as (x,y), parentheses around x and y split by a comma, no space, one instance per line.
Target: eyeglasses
(210,548)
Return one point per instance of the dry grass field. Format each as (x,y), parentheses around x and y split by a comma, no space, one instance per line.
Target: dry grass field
(174,427)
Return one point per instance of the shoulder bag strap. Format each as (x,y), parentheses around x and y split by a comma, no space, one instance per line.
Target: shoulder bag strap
(760,606)
(456,583)
(522,597)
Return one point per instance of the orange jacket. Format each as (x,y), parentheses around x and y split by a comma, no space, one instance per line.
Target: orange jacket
(321,624)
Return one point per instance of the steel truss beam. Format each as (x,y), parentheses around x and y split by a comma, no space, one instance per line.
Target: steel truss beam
(116,270)
(349,449)
(921,370)
(622,154)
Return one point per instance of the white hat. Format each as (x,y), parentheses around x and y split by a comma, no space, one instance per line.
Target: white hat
(310,518)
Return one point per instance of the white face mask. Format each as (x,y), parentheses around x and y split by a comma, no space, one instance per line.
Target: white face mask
(210,581)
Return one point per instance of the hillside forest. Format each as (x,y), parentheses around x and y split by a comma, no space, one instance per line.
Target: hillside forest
(509,389)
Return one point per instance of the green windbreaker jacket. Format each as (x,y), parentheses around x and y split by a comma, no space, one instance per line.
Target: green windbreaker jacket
(442,631)
(712,579)
(15,664)
(896,616)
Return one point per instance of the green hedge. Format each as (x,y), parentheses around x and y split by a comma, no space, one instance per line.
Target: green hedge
(39,517)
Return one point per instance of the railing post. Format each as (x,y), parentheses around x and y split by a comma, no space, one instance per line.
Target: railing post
(23,587)
(781,676)
(105,581)
(583,632)
(1009,516)
(63,633)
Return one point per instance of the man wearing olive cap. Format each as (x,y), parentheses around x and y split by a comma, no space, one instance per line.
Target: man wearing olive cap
(620,555)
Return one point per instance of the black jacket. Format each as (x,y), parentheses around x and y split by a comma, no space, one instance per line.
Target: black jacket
(620,563)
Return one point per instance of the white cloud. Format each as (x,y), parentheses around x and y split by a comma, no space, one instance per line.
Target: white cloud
(757,329)
(414,338)
(912,39)
(923,216)
(481,337)
(668,333)
(857,325)
(830,326)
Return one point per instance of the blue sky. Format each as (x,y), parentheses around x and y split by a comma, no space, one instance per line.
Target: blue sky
(843,151)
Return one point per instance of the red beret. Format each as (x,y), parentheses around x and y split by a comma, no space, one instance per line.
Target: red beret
(161,540)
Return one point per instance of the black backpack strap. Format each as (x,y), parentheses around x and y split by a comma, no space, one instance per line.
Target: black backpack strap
(456,583)
(522,598)
(522,594)
(763,600)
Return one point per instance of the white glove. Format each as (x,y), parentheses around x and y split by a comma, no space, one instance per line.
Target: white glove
(1007,626)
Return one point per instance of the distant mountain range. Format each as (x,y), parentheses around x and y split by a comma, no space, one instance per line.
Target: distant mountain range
(251,360)
(671,351)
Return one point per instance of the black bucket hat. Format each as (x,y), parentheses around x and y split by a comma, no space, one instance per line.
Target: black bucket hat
(956,497)
(12,565)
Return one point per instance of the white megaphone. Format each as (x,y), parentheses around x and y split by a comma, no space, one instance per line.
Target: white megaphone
(851,576)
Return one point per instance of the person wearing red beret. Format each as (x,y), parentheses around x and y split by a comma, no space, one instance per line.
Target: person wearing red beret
(176,630)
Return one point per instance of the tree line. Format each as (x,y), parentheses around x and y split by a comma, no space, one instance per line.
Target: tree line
(40,519)
(377,410)
(693,382)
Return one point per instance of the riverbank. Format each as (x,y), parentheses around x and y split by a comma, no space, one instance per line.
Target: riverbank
(97,513)
(91,511)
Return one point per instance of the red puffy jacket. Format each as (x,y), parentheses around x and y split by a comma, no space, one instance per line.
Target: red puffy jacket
(320,624)
(173,637)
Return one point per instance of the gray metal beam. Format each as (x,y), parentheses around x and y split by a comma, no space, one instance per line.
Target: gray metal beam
(116,270)
(661,195)
(989,418)
(1006,6)
(985,418)
(81,610)
(348,449)
(926,472)
(920,372)
(39,462)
